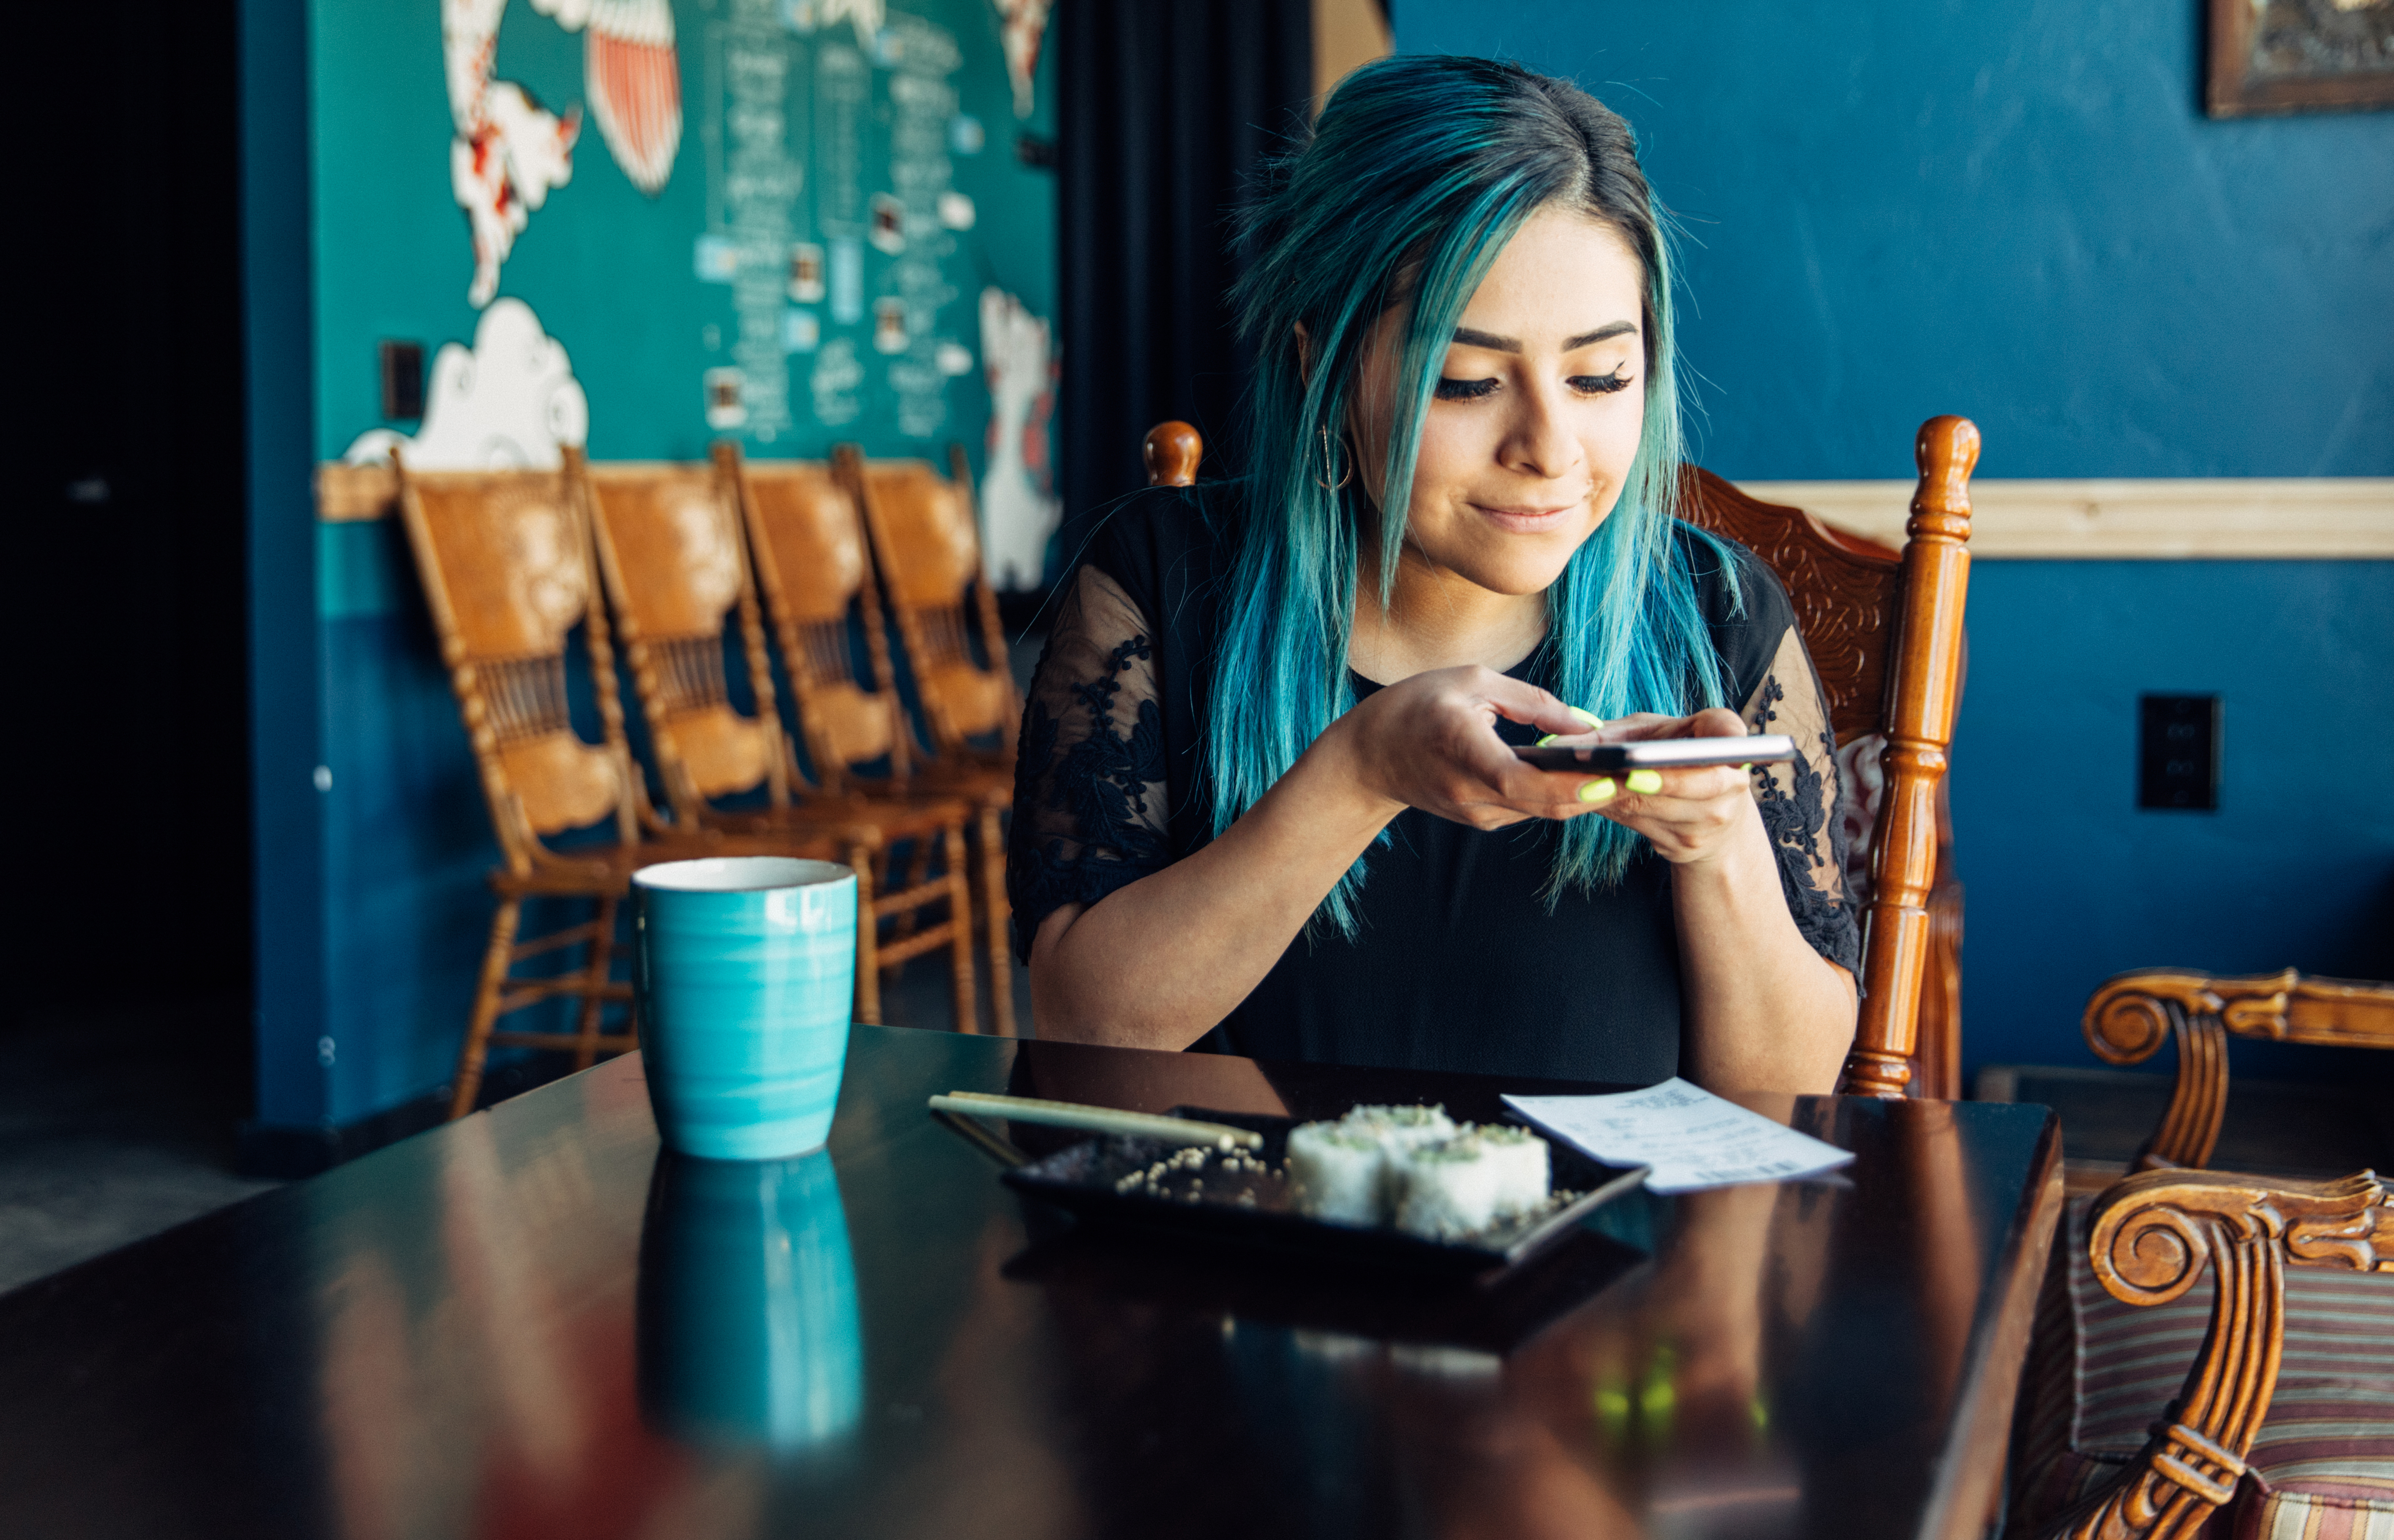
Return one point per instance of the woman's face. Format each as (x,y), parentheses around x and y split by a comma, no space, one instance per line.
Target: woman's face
(1536,413)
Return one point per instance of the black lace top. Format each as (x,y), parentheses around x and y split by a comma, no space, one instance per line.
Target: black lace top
(1457,964)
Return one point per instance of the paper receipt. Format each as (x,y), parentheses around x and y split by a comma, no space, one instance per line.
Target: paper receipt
(1693,1139)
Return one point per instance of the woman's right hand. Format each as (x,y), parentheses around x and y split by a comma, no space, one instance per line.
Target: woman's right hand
(1430,742)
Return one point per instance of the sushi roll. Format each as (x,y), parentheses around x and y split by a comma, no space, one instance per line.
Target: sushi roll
(1404,1127)
(1445,1189)
(1337,1169)
(1463,1185)
(1523,1172)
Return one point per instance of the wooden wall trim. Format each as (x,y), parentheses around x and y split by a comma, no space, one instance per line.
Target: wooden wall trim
(2232,517)
(350,495)
(2225,517)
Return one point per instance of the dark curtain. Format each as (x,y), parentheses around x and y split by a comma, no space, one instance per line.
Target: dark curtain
(1164,108)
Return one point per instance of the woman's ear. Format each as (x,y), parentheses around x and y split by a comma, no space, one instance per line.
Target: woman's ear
(1304,352)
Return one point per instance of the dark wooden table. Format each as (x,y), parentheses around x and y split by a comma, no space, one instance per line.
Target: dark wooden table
(509,1326)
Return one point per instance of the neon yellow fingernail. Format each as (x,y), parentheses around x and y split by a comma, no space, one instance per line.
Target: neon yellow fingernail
(1597,791)
(1645,782)
(1590,717)
(1544,740)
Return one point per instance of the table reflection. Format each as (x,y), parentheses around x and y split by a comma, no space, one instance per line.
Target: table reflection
(747,1312)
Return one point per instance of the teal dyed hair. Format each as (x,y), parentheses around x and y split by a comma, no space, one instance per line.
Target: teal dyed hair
(1419,171)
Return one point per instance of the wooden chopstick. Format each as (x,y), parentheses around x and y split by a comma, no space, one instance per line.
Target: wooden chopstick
(1001,1151)
(1104,1120)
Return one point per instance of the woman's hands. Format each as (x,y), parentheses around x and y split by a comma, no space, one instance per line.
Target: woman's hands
(1691,816)
(1429,741)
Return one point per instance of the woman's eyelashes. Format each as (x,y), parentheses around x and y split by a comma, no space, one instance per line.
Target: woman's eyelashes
(1479,390)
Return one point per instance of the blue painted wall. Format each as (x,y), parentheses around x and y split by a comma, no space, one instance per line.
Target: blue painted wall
(2017,211)
(371,904)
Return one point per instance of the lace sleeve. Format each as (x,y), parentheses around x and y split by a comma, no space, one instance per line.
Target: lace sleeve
(1799,803)
(1089,779)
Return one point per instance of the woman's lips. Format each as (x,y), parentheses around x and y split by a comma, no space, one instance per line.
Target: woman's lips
(1526,521)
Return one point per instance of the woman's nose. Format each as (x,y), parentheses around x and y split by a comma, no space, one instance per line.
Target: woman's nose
(1539,443)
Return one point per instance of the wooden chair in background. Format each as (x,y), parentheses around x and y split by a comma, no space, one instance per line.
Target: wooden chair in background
(2132,1015)
(676,565)
(506,562)
(1885,633)
(2282,1422)
(926,541)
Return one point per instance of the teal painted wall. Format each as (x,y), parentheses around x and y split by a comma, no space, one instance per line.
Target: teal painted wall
(2015,211)
(371,906)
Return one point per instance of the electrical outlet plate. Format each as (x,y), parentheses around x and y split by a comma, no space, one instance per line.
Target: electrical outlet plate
(402,381)
(2178,753)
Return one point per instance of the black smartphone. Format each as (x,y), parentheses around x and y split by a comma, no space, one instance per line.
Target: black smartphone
(1767,748)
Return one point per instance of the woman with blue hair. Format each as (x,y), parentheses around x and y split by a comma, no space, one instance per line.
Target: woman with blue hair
(1267,801)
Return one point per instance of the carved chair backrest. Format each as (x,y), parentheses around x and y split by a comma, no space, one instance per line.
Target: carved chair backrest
(816,570)
(927,544)
(1844,588)
(1885,633)
(506,562)
(669,545)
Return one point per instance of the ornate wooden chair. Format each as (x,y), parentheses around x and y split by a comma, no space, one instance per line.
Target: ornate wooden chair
(2279,1297)
(2284,1423)
(925,541)
(676,567)
(504,559)
(1885,630)
(2132,1015)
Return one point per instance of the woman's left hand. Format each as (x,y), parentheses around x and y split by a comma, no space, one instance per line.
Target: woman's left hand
(1691,816)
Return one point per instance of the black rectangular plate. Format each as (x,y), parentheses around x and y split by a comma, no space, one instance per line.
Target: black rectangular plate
(1081,1181)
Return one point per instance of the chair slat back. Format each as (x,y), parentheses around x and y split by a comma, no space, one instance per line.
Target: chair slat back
(669,544)
(926,543)
(1844,589)
(504,559)
(808,540)
(815,568)
(923,530)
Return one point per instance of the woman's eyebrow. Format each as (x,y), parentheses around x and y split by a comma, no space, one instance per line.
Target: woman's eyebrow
(1490,341)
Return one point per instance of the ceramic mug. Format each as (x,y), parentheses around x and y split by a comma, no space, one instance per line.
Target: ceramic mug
(748,1330)
(744,974)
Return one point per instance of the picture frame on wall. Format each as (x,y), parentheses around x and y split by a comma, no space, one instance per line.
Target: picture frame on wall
(2271,56)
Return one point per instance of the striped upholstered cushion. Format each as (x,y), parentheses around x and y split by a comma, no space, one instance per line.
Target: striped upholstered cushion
(2101,1372)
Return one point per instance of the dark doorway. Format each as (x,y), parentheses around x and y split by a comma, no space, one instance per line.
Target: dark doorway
(128,602)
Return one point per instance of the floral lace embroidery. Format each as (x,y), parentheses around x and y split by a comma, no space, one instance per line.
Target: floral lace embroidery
(1796,815)
(1089,776)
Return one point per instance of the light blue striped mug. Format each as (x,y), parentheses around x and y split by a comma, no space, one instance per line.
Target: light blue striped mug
(744,973)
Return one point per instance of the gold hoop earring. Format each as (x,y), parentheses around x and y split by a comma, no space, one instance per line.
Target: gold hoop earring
(1346,472)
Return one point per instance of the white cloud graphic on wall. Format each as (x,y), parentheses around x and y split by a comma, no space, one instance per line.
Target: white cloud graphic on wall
(511,401)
